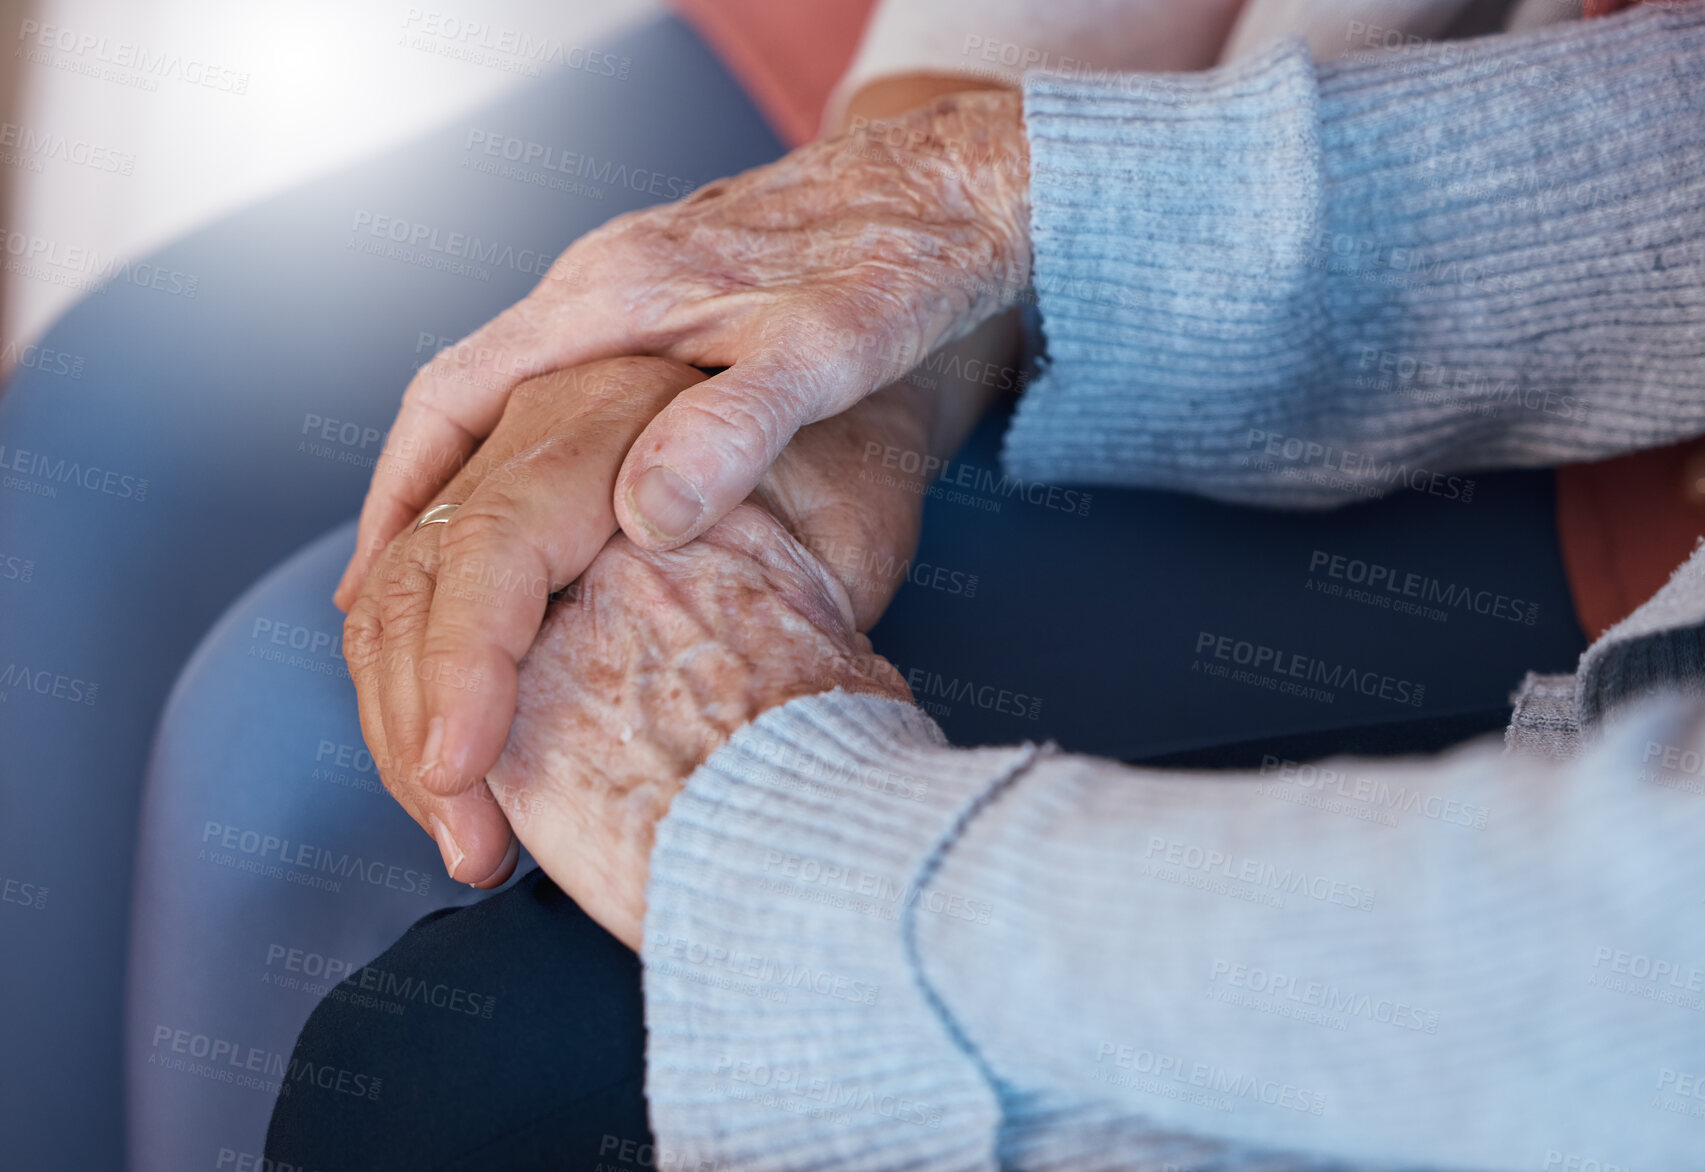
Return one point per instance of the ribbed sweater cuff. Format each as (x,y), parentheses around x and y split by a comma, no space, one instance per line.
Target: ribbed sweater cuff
(1295,284)
(1174,319)
(787,1025)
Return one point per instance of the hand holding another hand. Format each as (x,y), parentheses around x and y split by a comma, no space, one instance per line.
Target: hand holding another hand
(652,662)
(443,622)
(448,610)
(814,280)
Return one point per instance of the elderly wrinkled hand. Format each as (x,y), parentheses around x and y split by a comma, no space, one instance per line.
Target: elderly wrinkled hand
(449,611)
(814,280)
(650,663)
(433,636)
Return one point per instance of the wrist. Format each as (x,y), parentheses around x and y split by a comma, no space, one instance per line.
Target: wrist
(966,153)
(977,140)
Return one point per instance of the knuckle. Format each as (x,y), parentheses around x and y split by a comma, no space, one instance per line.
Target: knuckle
(490,565)
(477,526)
(746,428)
(416,558)
(624,375)
(517,325)
(554,460)
(405,592)
(660,367)
(361,633)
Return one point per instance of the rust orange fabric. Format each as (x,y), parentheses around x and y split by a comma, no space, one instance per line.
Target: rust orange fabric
(1625,524)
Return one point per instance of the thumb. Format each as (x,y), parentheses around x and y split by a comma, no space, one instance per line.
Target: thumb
(705,452)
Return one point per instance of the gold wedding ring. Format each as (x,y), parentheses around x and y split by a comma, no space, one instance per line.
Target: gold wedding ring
(436,515)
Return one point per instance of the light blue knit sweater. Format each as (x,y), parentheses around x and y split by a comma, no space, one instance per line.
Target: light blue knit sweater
(1293,284)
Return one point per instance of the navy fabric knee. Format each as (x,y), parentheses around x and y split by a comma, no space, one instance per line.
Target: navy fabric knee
(1148,626)
(521,1047)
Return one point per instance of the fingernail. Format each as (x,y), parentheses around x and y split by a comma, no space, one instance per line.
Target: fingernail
(447,845)
(665,502)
